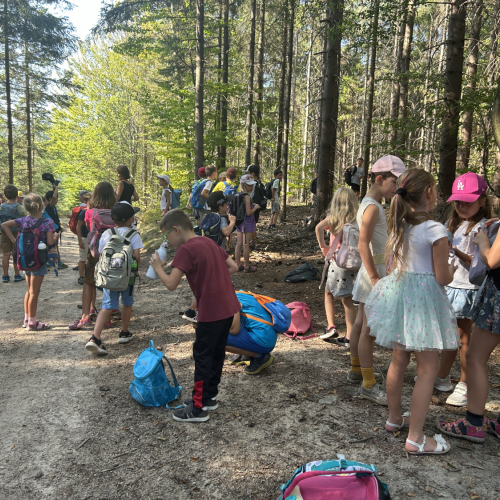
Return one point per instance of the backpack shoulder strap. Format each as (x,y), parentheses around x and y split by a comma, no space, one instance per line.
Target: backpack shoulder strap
(129,235)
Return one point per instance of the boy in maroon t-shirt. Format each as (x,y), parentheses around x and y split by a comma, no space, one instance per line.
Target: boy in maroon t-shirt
(207,268)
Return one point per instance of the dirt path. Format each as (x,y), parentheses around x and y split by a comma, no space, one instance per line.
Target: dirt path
(63,436)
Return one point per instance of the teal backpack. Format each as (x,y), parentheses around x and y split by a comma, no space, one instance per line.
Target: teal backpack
(175,198)
(9,212)
(151,386)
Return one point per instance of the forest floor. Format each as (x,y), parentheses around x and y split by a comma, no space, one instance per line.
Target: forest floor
(70,429)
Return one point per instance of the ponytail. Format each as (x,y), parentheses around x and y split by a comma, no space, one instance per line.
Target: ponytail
(33,203)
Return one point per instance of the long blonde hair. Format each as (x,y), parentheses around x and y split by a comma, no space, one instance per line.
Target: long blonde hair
(342,210)
(33,203)
(455,221)
(103,196)
(413,184)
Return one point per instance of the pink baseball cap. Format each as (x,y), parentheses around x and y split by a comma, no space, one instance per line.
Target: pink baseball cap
(468,187)
(389,163)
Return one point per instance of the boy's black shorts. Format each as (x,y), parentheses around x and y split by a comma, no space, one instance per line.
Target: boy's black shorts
(355,187)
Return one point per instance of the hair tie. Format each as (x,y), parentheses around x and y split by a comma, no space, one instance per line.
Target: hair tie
(402,191)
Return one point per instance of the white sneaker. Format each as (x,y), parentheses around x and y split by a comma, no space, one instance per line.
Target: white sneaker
(459,395)
(442,384)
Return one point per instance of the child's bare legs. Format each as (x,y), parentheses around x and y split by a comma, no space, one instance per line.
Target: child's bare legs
(5,264)
(102,318)
(365,353)
(243,352)
(88,295)
(427,367)
(356,331)
(126,315)
(237,251)
(481,346)
(81,268)
(350,314)
(246,250)
(92,302)
(330,309)
(395,376)
(448,357)
(34,284)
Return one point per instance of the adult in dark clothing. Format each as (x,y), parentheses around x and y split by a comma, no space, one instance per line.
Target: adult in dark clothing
(52,198)
(125,190)
(357,174)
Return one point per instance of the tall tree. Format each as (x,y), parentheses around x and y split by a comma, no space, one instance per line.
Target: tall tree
(225,77)
(8,97)
(199,87)
(371,94)
(251,64)
(330,106)
(306,120)
(260,87)
(452,94)
(281,98)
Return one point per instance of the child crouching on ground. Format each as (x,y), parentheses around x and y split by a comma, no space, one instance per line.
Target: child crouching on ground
(123,214)
(207,268)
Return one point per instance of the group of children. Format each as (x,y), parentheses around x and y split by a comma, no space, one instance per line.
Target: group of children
(414,295)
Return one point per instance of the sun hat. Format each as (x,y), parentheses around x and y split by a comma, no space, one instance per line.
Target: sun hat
(247,179)
(164,177)
(468,187)
(389,163)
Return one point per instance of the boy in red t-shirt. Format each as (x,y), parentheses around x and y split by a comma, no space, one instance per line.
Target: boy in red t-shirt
(207,268)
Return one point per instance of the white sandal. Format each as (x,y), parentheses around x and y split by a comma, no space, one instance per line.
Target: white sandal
(398,427)
(442,446)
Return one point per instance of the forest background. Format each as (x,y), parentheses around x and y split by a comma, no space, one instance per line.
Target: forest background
(308,85)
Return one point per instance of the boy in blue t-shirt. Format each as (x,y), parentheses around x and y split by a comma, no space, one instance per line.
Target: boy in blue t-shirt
(10,210)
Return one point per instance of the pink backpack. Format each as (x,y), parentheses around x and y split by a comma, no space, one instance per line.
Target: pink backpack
(301,321)
(101,221)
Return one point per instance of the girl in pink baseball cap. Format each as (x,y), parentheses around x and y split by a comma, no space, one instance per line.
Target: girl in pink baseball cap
(470,210)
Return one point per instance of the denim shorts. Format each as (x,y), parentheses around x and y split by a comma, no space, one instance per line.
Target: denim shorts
(110,298)
(41,271)
(243,340)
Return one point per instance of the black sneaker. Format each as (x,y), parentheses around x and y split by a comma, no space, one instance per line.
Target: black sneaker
(80,280)
(212,403)
(95,346)
(330,333)
(239,359)
(190,414)
(191,316)
(75,268)
(342,341)
(124,337)
(259,364)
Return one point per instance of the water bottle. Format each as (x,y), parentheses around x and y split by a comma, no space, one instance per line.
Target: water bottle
(43,253)
(162,253)
(42,246)
(133,272)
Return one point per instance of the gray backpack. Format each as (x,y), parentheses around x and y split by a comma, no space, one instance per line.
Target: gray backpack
(114,269)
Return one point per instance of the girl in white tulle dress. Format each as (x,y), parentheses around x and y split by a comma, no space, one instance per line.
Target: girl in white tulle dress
(408,310)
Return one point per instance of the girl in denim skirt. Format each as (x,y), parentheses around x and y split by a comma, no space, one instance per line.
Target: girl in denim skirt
(471,210)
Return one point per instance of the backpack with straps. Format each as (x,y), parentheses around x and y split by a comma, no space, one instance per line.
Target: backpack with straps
(348,176)
(101,221)
(259,195)
(280,314)
(340,479)
(269,190)
(210,227)
(27,255)
(151,386)
(9,212)
(236,207)
(175,198)
(229,189)
(301,320)
(198,201)
(114,268)
(73,222)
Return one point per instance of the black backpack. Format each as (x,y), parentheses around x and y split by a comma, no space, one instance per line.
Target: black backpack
(305,272)
(236,207)
(314,186)
(348,176)
(269,190)
(210,227)
(259,195)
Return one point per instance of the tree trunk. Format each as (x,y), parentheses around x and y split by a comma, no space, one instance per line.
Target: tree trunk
(198,99)
(10,141)
(281,98)
(306,120)
(467,115)
(251,57)
(144,166)
(219,79)
(452,94)
(286,139)
(405,69)
(396,84)
(260,88)
(363,118)
(371,93)
(27,96)
(225,75)
(330,107)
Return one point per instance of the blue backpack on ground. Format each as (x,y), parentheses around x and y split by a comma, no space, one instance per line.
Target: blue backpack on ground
(229,189)
(341,479)
(9,212)
(281,315)
(197,201)
(151,386)
(210,227)
(175,198)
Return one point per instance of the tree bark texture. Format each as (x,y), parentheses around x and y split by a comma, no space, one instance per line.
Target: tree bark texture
(452,94)
(371,93)
(260,88)
(10,140)
(251,69)
(225,76)
(286,118)
(306,120)
(330,107)
(467,115)
(198,105)
(27,97)
(281,99)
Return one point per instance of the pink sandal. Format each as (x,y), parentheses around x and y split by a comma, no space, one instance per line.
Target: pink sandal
(492,426)
(39,326)
(461,429)
(80,323)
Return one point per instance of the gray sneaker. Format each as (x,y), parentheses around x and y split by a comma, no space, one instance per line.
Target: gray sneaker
(375,394)
(357,378)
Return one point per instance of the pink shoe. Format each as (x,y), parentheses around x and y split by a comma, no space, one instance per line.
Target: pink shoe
(80,323)
(492,426)
(108,324)
(93,314)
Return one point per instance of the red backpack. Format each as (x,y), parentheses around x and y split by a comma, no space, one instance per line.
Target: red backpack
(73,222)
